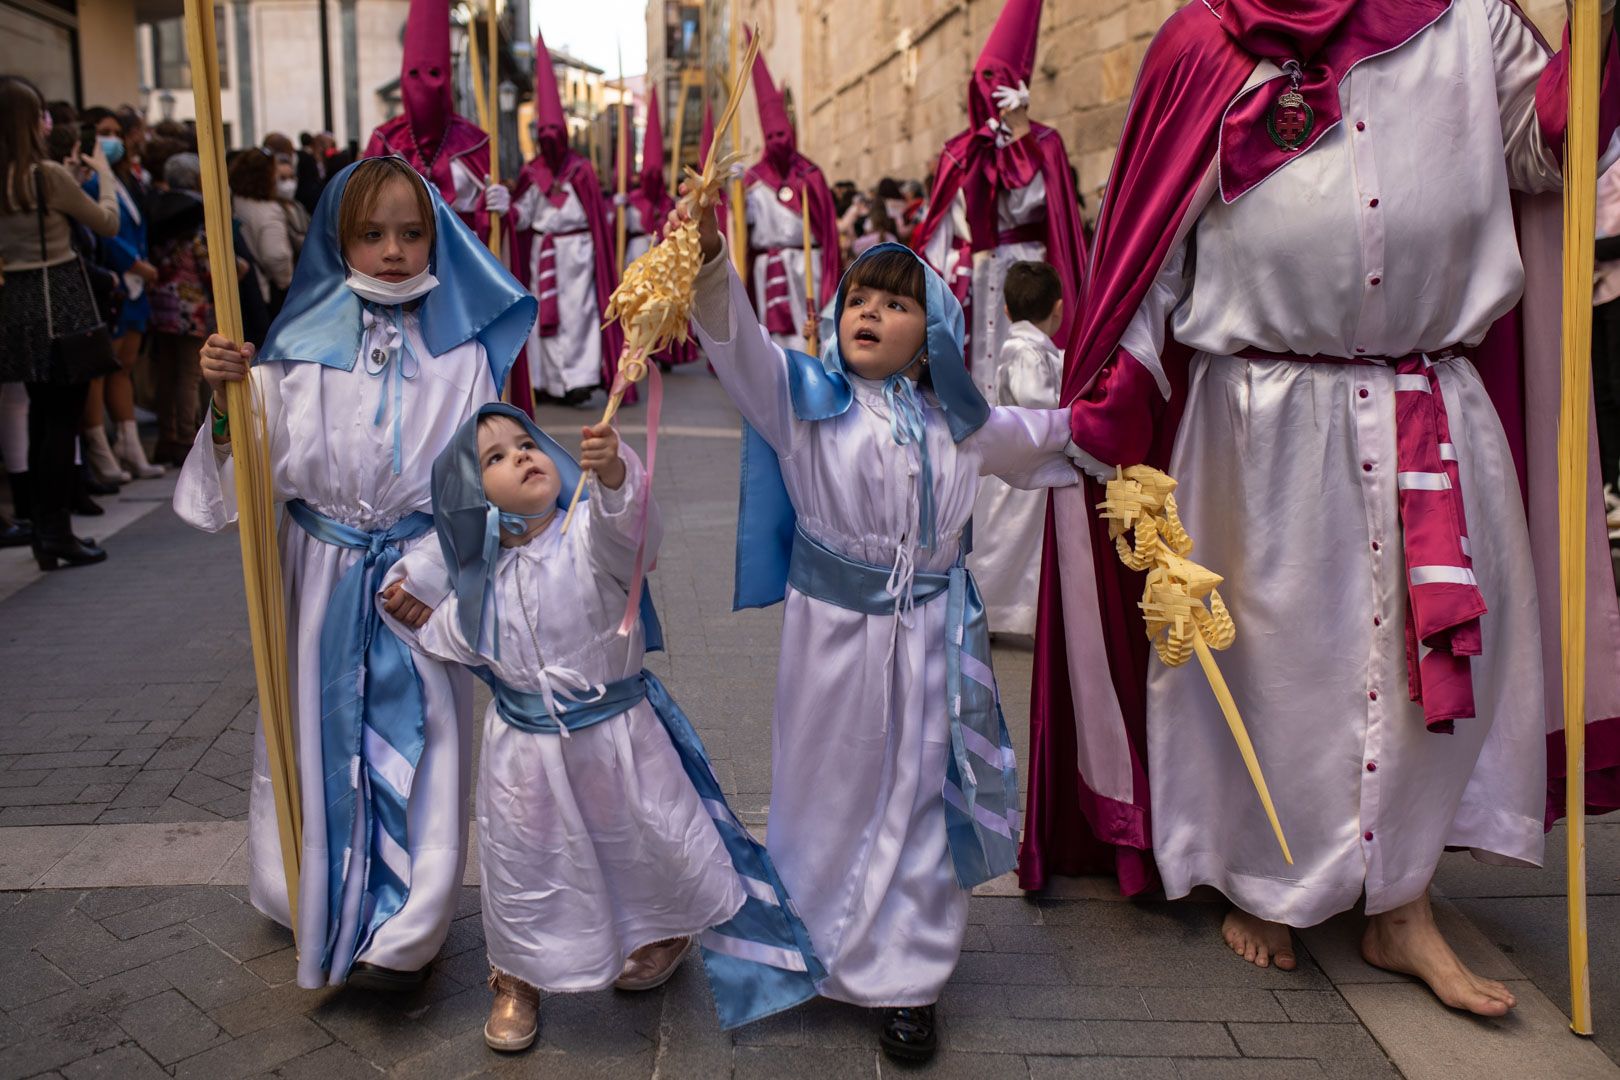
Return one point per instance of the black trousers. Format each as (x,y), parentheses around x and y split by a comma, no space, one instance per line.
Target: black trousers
(1606,385)
(55,414)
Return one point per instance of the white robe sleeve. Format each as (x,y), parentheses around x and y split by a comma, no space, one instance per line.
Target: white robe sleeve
(423,573)
(205,495)
(1520,60)
(612,522)
(1025,447)
(523,210)
(752,368)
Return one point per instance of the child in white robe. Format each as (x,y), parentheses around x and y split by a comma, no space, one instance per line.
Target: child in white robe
(600,856)
(370,368)
(1008,524)
(893,789)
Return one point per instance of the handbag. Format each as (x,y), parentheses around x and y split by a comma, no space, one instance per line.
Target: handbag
(84,354)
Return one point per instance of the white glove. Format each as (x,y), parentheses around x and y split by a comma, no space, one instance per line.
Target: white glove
(1002,132)
(1008,98)
(497,200)
(620,200)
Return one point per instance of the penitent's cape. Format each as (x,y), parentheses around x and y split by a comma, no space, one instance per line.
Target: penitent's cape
(1192,131)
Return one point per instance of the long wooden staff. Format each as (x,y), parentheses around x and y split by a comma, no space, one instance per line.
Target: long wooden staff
(250,446)
(812,343)
(737,222)
(484,102)
(654,296)
(492,95)
(1580,199)
(621,144)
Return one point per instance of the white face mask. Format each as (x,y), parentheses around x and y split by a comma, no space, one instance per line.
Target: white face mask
(286,189)
(391,293)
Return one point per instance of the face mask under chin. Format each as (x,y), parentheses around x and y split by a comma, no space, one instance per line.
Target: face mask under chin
(391,293)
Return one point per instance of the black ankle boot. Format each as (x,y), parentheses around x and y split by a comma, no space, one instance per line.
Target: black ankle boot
(15,533)
(89,485)
(54,544)
(909,1034)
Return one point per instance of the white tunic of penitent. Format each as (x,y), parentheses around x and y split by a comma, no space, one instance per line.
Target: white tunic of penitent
(772,224)
(327,449)
(592,844)
(1008,524)
(571,358)
(861,734)
(1393,234)
(1014,209)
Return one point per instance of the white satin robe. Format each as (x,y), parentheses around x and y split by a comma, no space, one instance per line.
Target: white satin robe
(326,449)
(572,357)
(861,734)
(1393,234)
(1009,524)
(772,224)
(595,843)
(988,324)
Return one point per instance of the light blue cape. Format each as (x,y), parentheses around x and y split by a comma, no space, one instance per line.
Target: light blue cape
(476,297)
(820,389)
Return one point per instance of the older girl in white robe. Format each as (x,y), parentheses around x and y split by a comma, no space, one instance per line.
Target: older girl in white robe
(363,381)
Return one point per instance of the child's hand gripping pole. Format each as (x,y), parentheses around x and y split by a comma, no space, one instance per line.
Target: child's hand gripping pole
(1142,521)
(654,299)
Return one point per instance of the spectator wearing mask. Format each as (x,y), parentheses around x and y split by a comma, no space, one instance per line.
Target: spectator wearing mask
(47,312)
(121,136)
(264,219)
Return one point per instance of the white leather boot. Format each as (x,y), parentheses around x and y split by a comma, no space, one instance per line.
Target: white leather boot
(99,456)
(132,453)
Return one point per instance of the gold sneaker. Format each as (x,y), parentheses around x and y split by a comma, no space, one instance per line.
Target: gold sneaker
(652,965)
(514,1018)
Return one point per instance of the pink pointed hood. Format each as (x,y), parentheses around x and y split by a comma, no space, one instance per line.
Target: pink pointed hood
(1007,59)
(550,121)
(780,143)
(424,78)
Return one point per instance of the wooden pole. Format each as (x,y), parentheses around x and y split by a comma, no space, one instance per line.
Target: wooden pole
(1580,198)
(621,226)
(493,96)
(737,223)
(812,342)
(250,448)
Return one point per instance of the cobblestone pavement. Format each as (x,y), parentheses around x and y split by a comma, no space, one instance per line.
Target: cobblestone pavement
(126,726)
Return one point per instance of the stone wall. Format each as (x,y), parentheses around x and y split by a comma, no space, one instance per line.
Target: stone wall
(885,81)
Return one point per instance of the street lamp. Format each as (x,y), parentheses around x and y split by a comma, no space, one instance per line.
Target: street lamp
(166,105)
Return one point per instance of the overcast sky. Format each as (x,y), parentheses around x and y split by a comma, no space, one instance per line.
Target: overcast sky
(593,30)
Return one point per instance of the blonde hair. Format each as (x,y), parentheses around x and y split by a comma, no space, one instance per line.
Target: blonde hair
(366,186)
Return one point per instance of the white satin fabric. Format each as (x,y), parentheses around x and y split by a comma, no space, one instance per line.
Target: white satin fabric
(861,733)
(571,358)
(326,449)
(772,224)
(1008,524)
(1393,234)
(595,843)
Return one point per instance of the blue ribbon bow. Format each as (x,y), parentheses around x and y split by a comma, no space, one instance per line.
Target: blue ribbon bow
(393,361)
(907,426)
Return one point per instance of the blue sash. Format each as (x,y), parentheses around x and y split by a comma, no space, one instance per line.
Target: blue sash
(760,961)
(372,715)
(981,804)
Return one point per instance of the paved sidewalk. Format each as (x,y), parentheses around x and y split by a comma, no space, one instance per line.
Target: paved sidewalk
(127,948)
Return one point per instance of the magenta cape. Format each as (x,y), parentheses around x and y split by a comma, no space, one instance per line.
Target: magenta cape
(464,141)
(803,176)
(576,172)
(1088,795)
(1065,237)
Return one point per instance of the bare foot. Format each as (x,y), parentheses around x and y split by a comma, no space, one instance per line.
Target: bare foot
(1259,942)
(1408,941)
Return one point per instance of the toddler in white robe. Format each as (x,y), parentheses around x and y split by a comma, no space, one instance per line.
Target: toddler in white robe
(371,366)
(604,843)
(893,788)
(1008,524)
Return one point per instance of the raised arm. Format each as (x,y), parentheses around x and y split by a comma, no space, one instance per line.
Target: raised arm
(613,521)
